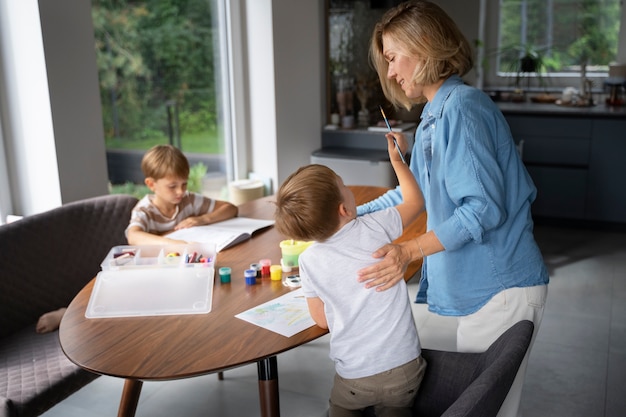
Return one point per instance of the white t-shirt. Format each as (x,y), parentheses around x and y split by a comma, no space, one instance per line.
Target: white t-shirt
(370,331)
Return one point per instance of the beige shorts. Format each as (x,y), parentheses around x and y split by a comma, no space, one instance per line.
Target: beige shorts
(390,393)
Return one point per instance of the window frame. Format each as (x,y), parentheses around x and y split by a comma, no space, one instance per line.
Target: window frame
(493,79)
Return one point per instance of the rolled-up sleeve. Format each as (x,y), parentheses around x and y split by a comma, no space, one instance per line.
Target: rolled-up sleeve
(472,179)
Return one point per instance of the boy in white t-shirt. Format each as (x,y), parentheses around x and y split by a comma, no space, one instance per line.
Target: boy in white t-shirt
(373,338)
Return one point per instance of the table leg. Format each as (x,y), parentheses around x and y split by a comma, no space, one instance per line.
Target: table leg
(130,398)
(268,387)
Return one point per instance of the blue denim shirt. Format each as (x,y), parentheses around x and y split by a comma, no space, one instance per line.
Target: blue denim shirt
(478,196)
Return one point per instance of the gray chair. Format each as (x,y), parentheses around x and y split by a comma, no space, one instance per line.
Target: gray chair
(45,260)
(472,384)
(458,384)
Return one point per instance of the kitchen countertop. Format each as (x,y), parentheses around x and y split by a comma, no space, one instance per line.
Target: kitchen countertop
(541,109)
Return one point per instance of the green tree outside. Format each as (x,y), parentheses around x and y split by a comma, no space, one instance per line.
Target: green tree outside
(151,54)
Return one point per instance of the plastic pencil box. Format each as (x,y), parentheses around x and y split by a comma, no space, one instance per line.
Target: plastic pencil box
(154,280)
(142,256)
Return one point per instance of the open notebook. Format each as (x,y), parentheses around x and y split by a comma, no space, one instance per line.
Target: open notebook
(224,234)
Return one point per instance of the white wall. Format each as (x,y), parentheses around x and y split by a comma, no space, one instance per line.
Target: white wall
(261,105)
(285,42)
(27,119)
(50,162)
(74,97)
(300,93)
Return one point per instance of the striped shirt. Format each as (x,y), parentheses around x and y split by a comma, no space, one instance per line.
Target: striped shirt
(148,217)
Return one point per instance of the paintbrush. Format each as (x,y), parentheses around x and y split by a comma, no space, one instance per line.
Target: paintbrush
(395,142)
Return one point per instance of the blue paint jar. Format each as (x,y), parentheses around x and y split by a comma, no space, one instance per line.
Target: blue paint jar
(250,275)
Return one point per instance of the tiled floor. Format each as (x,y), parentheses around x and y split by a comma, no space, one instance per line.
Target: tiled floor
(577,367)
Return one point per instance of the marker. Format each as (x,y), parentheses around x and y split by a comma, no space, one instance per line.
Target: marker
(394,139)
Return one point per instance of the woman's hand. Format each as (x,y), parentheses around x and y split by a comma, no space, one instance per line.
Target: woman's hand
(389,271)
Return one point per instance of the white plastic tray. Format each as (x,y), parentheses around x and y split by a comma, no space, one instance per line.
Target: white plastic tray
(152,292)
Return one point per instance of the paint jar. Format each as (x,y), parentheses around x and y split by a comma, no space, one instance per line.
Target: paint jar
(225,274)
(292,281)
(286,268)
(291,250)
(250,275)
(265,267)
(257,268)
(276,272)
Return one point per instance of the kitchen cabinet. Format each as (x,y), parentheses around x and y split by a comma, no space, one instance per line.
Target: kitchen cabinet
(556,152)
(607,174)
(578,164)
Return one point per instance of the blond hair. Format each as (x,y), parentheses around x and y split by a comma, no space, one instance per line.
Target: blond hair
(307,204)
(426,32)
(161,161)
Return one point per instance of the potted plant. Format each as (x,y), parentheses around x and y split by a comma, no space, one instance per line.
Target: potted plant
(529,59)
(522,61)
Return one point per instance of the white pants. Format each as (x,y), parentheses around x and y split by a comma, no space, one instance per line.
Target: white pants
(476,332)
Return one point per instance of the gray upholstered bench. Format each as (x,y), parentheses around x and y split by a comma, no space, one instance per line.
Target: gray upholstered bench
(45,259)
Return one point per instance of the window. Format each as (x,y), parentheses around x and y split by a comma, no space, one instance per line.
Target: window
(162,81)
(563,36)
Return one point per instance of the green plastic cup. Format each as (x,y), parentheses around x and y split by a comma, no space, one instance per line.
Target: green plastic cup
(291,250)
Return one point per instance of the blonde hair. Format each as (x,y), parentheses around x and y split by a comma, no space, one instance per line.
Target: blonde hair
(161,161)
(426,32)
(307,204)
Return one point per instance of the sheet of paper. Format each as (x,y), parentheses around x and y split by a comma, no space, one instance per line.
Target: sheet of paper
(285,315)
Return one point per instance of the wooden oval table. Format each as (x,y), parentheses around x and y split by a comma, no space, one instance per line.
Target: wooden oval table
(183,346)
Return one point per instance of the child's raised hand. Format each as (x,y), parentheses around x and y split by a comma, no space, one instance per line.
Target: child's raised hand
(391,147)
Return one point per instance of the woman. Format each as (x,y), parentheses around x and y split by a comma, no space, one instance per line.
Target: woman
(481,262)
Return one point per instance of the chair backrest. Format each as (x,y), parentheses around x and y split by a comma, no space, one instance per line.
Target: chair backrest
(46,258)
(472,384)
